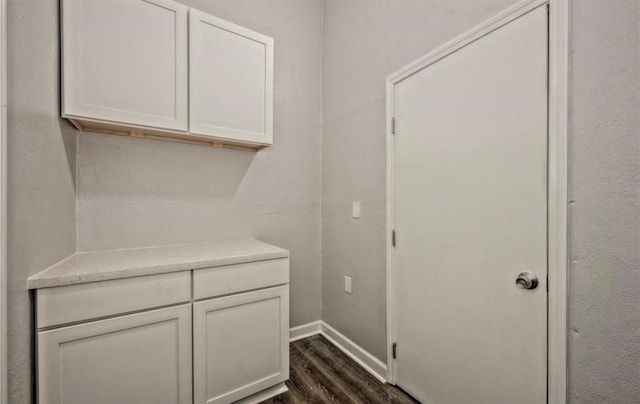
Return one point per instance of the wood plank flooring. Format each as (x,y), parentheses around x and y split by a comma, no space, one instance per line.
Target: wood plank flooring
(321,373)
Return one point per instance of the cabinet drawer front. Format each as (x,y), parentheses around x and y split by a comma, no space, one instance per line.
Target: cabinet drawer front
(68,304)
(139,358)
(224,280)
(241,344)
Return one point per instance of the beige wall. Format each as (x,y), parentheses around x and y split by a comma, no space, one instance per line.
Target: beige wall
(41,167)
(364,41)
(132,192)
(604,182)
(136,192)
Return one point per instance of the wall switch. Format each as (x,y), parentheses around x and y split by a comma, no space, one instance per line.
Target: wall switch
(347,284)
(355,210)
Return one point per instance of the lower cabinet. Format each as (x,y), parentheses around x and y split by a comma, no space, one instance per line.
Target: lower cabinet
(240,344)
(215,335)
(137,359)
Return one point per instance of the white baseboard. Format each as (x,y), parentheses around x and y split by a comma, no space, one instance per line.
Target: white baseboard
(305,330)
(264,394)
(369,362)
(363,358)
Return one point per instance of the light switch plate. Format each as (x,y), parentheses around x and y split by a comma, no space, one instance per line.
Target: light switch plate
(355,208)
(347,284)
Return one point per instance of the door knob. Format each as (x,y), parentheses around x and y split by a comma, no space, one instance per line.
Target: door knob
(527,280)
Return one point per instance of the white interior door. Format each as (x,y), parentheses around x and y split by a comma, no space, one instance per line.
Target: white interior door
(470,194)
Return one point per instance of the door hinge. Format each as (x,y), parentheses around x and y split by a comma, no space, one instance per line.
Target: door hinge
(393,238)
(394,350)
(393,125)
(547,282)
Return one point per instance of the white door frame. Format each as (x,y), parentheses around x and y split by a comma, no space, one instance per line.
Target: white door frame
(557,182)
(3,202)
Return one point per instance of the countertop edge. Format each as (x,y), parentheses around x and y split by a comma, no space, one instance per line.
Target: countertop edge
(37,281)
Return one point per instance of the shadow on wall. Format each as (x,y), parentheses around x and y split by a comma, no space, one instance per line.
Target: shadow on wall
(158,168)
(137,192)
(68,132)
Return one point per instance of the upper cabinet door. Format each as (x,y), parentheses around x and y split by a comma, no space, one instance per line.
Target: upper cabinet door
(125,61)
(231,81)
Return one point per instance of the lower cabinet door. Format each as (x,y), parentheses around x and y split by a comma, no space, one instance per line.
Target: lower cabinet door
(241,344)
(136,359)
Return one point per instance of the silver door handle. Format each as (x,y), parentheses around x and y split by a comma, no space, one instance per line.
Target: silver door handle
(527,280)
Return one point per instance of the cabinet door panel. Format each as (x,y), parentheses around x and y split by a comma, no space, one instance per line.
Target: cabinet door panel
(126,61)
(241,344)
(140,358)
(231,80)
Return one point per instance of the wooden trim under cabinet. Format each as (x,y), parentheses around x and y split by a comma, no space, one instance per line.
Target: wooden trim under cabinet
(141,132)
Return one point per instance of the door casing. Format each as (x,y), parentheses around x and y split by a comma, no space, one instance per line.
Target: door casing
(3,202)
(557,182)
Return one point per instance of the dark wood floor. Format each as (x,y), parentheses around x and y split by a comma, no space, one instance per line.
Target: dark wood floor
(321,373)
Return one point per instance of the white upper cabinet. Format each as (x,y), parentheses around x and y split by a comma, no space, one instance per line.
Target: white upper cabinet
(125,62)
(150,68)
(231,81)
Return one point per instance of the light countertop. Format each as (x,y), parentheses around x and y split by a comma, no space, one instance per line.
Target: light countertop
(94,266)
